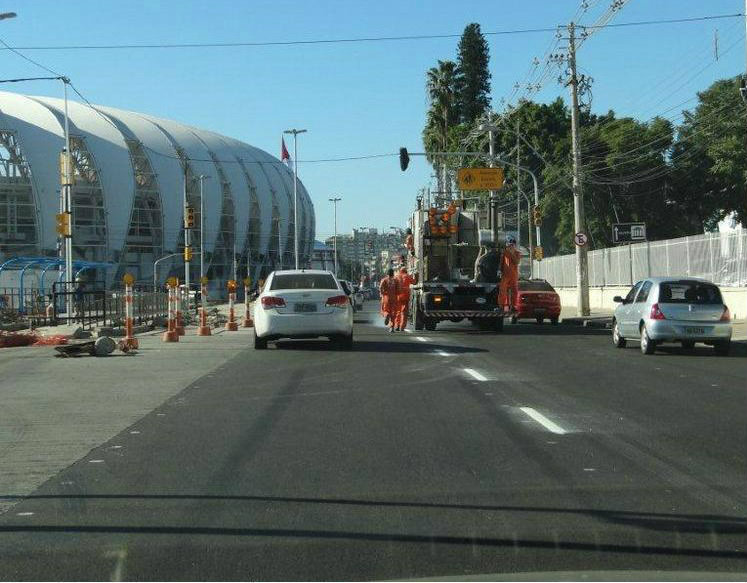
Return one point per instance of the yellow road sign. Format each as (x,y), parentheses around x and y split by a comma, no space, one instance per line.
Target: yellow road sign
(204,280)
(480,178)
(172,281)
(128,279)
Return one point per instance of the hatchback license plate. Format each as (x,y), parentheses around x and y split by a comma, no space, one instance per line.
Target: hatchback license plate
(304,308)
(693,330)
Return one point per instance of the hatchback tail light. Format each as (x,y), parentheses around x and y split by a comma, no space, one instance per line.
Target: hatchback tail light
(726,316)
(269,302)
(338,301)
(656,313)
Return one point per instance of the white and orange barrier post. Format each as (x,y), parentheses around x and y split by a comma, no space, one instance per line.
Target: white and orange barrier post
(171,334)
(231,325)
(129,340)
(179,303)
(248,322)
(204,329)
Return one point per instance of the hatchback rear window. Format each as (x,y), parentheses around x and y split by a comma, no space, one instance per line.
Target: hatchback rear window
(689,292)
(535,286)
(304,281)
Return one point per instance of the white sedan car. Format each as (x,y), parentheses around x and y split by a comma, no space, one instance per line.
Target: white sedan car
(304,303)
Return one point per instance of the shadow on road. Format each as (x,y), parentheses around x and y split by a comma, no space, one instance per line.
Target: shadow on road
(738,350)
(523,330)
(670,522)
(376,346)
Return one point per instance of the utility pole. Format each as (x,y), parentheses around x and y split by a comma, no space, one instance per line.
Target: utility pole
(187,237)
(295,133)
(202,227)
(334,201)
(493,202)
(582,273)
(67,209)
(743,89)
(518,187)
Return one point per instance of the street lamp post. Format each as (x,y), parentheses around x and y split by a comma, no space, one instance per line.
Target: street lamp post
(155,267)
(295,133)
(334,201)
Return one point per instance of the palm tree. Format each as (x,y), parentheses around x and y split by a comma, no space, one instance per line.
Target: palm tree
(441,87)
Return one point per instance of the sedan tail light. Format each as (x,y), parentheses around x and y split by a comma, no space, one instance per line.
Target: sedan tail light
(726,316)
(524,298)
(656,313)
(338,301)
(269,302)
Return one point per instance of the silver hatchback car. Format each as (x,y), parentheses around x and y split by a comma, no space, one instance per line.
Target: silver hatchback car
(673,309)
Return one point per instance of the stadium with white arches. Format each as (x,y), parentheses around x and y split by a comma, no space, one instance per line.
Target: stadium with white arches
(130,172)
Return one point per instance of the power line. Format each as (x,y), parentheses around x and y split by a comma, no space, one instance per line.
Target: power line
(356,39)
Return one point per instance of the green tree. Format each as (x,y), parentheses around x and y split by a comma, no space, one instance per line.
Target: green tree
(709,159)
(473,75)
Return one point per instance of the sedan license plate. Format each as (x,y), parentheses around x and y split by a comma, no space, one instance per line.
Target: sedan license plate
(304,308)
(694,330)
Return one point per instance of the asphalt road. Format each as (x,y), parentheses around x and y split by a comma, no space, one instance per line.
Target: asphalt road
(447,453)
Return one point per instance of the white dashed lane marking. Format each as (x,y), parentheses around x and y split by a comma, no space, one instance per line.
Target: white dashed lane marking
(544,421)
(421,339)
(474,374)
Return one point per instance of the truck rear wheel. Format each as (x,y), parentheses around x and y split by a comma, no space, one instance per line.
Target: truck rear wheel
(431,324)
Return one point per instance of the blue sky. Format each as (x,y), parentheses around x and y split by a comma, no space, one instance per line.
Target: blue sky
(354,98)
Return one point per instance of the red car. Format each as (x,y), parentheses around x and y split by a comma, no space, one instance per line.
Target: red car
(537,300)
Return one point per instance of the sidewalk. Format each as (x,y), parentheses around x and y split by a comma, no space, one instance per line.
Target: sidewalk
(55,410)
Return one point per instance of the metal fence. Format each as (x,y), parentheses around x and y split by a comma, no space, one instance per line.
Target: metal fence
(719,257)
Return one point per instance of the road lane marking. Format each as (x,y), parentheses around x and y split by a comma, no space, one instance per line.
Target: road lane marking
(544,421)
(408,330)
(24,513)
(421,339)
(95,461)
(134,432)
(442,353)
(474,374)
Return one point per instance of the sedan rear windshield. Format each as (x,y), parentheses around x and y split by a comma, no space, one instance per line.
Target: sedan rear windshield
(689,292)
(304,281)
(535,286)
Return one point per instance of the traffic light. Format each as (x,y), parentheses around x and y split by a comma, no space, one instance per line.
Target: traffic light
(189,218)
(404,159)
(536,215)
(63,224)
(188,253)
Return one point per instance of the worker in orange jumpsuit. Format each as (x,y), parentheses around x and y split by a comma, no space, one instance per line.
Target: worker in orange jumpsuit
(508,290)
(389,288)
(403,300)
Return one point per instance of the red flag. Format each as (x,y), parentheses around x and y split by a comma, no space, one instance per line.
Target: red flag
(284,155)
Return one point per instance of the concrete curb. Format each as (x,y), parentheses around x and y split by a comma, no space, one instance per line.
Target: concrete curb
(603,322)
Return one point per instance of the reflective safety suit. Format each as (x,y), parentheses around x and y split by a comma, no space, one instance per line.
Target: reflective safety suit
(509,277)
(403,299)
(389,289)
